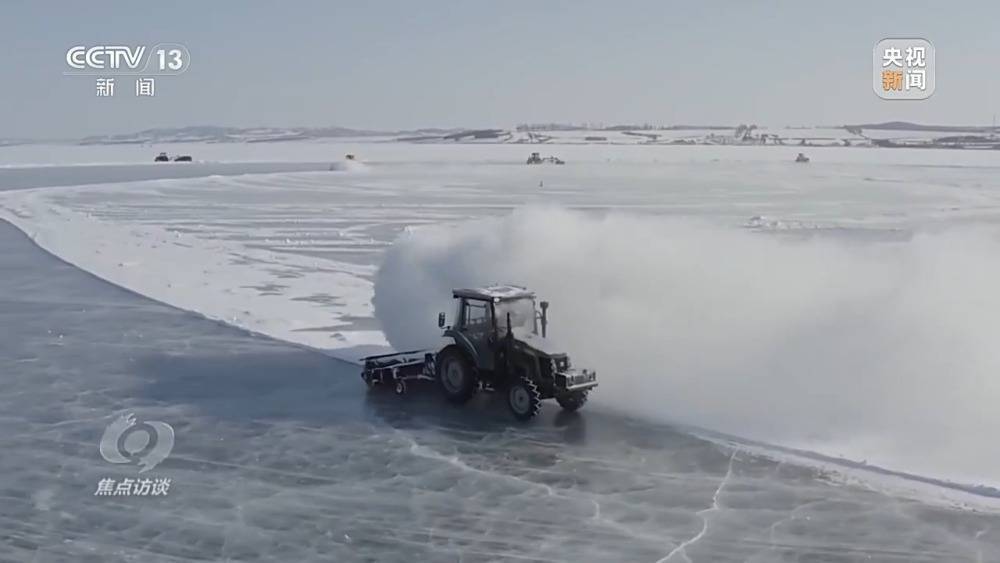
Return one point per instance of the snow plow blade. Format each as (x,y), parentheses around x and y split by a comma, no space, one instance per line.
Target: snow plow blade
(397,368)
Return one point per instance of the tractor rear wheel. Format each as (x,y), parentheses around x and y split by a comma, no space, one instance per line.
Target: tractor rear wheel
(455,375)
(523,398)
(573,401)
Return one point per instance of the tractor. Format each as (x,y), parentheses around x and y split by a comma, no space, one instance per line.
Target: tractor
(498,342)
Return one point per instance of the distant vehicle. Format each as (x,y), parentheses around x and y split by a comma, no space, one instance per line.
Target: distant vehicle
(183,158)
(162,157)
(350,162)
(536,158)
(802,158)
(494,346)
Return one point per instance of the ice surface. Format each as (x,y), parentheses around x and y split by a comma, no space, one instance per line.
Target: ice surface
(294,255)
(280,455)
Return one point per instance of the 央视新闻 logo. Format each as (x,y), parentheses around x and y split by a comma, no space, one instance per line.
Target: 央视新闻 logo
(903,69)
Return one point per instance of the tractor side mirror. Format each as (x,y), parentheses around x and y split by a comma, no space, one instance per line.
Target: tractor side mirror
(440,320)
(545,316)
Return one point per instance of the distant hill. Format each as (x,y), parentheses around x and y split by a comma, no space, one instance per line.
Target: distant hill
(619,127)
(907,126)
(216,134)
(221,134)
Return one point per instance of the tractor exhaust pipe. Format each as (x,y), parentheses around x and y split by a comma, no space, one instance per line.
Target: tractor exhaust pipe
(545,316)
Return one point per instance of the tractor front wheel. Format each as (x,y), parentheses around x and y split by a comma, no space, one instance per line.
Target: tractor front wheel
(524,399)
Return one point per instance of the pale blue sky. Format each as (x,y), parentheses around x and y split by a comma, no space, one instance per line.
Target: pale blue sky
(408,64)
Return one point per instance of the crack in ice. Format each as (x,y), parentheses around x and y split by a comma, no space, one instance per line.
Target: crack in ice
(703,514)
(426,452)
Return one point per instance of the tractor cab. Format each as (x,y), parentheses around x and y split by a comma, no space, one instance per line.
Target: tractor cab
(485,315)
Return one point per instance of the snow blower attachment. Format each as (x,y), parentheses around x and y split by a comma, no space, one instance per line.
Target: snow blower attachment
(494,345)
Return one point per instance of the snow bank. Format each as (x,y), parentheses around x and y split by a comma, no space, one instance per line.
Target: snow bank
(295,298)
(885,352)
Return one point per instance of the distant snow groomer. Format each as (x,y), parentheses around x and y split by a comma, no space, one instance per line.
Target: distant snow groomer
(495,345)
(536,158)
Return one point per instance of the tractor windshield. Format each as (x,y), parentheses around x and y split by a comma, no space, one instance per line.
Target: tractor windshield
(522,314)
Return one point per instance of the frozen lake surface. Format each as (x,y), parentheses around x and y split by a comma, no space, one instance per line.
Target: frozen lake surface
(846,306)
(22,177)
(280,455)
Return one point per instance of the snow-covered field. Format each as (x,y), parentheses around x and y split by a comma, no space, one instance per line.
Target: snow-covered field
(845,306)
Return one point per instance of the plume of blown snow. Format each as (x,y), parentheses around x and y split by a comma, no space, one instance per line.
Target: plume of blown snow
(348,166)
(877,351)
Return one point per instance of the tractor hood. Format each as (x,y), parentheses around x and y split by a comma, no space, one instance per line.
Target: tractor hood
(543,346)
